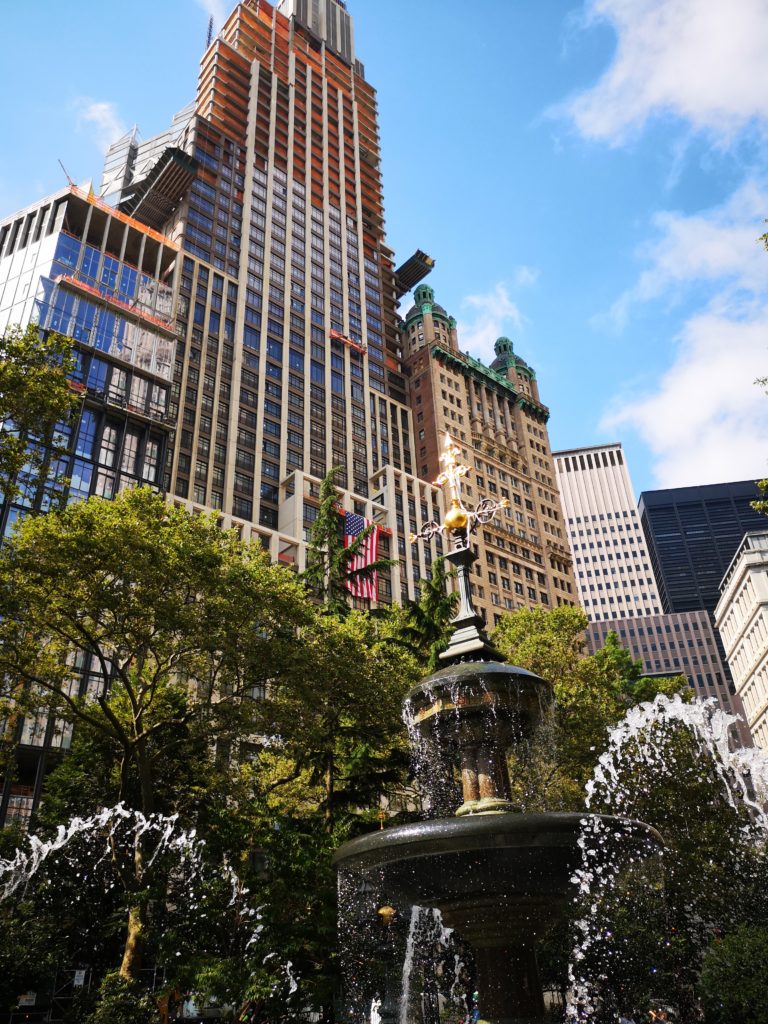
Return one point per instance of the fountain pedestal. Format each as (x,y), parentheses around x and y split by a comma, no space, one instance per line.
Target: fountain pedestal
(508,983)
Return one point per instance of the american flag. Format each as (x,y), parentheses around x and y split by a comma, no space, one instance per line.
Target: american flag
(360,586)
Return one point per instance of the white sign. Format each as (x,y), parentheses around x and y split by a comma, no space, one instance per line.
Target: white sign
(28,999)
(79,979)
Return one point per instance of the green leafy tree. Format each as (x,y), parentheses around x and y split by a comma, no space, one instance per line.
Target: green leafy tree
(662,921)
(185,621)
(329,563)
(733,977)
(35,396)
(425,626)
(592,693)
(342,737)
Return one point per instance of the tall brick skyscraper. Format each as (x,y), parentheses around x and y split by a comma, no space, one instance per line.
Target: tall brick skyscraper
(496,416)
(287,363)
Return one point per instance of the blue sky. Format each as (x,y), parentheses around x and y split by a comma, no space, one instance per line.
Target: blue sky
(591,177)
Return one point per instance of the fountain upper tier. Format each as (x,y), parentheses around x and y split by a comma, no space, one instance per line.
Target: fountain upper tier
(482,708)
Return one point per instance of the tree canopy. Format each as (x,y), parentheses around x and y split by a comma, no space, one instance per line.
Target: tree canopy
(154,629)
(592,693)
(202,682)
(35,396)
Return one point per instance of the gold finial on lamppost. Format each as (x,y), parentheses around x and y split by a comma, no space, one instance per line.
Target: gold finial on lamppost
(460,520)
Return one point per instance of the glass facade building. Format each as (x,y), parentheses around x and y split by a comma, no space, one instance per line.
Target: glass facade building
(693,533)
(73,265)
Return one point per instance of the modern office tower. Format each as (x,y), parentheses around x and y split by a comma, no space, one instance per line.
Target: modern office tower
(741,617)
(617,587)
(496,417)
(678,643)
(693,533)
(612,564)
(288,358)
(74,265)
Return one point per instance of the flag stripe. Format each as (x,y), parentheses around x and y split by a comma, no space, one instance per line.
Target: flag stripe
(369,552)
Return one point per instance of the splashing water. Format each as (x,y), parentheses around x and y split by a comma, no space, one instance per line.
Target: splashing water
(120,825)
(410,947)
(639,747)
(103,825)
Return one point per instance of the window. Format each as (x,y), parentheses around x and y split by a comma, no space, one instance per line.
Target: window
(108,449)
(130,452)
(151,456)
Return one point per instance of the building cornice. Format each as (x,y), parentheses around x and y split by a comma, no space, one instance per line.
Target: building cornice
(470,367)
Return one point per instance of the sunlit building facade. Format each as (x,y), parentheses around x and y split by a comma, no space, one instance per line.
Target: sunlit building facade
(495,415)
(741,616)
(73,265)
(617,585)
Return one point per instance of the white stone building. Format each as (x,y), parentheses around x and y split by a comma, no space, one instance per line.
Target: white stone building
(741,616)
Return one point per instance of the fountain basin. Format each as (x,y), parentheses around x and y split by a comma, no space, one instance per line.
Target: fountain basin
(495,878)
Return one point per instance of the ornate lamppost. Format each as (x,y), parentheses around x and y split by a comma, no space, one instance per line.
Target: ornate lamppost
(469,641)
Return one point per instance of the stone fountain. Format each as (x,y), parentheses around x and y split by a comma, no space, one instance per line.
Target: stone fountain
(499,877)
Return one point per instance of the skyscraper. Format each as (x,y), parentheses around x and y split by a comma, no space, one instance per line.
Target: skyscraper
(288,359)
(613,568)
(617,586)
(693,533)
(495,415)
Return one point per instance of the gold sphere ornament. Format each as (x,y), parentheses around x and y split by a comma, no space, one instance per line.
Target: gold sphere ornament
(456,518)
(387,915)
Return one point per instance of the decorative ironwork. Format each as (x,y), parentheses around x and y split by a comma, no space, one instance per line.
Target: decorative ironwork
(461,520)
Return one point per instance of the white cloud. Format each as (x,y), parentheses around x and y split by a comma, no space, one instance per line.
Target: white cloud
(100,120)
(716,246)
(705,420)
(700,60)
(525,277)
(491,316)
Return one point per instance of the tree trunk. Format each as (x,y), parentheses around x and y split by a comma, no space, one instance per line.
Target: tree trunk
(136,936)
(134,944)
(329,793)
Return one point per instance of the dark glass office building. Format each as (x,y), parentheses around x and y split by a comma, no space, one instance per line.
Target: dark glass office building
(692,534)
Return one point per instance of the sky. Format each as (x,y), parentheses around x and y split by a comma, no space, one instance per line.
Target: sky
(591,177)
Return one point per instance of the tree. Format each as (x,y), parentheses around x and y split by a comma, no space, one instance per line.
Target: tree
(592,693)
(425,626)
(182,624)
(342,737)
(733,977)
(659,923)
(35,396)
(329,563)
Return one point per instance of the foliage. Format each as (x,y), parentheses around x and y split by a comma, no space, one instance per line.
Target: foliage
(662,918)
(329,562)
(592,693)
(184,620)
(187,622)
(733,977)
(35,396)
(425,628)
(122,1001)
(342,740)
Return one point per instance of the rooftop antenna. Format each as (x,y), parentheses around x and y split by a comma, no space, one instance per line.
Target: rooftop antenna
(209,38)
(69,180)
